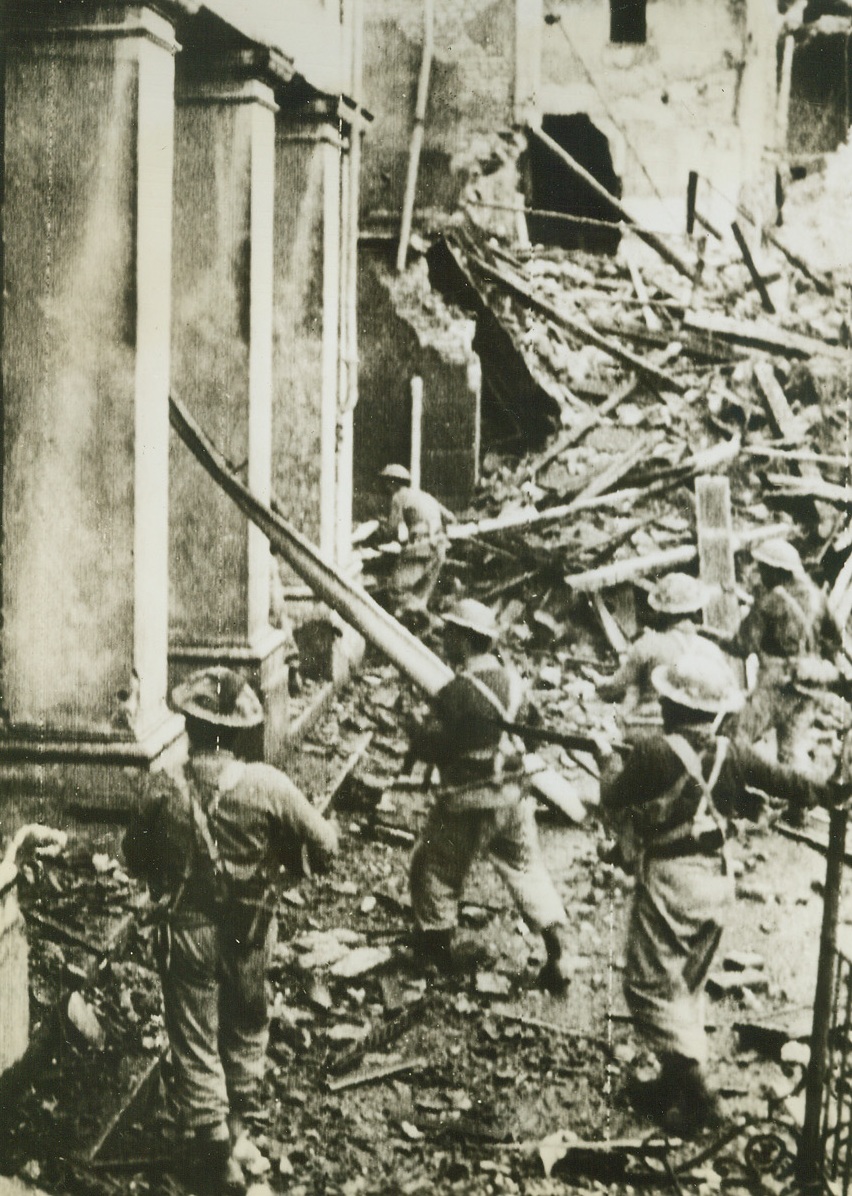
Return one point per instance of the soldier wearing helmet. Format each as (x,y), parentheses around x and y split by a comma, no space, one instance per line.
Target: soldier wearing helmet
(668,807)
(481,809)
(676,601)
(209,843)
(789,621)
(417,521)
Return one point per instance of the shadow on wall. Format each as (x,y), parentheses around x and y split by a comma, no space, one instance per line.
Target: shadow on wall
(551,187)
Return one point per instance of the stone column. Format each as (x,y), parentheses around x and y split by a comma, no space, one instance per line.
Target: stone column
(86,273)
(306,319)
(312,428)
(222,370)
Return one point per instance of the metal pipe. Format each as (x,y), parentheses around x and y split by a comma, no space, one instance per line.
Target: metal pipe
(417,134)
(809,1162)
(416,431)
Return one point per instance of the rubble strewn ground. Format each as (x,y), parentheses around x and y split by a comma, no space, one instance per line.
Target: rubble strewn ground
(379,1084)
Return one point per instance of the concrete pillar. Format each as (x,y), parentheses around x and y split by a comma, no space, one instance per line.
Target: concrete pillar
(86,276)
(222,369)
(306,319)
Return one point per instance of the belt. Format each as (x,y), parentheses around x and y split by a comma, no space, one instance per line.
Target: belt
(707,844)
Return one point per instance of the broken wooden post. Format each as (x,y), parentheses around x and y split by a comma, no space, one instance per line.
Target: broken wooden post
(650,238)
(416,431)
(809,1162)
(756,278)
(716,552)
(782,108)
(691,192)
(417,133)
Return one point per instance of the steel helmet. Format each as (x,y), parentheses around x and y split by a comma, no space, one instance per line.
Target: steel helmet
(396,473)
(219,696)
(678,594)
(778,554)
(698,683)
(473,616)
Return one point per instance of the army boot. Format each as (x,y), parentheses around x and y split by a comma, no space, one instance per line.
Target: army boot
(433,952)
(555,976)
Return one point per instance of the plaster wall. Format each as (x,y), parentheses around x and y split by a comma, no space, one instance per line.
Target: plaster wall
(471,97)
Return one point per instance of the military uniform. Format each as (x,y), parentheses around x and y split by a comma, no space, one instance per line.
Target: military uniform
(787,623)
(210,844)
(481,808)
(668,807)
(677,599)
(424,544)
(631,684)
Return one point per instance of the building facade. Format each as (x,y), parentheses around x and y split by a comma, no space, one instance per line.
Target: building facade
(179,214)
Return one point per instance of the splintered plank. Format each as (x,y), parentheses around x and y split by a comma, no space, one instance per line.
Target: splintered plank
(374,1075)
(716,552)
(763,336)
(659,562)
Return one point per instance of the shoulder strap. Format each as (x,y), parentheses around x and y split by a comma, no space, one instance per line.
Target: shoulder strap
(510,710)
(798,610)
(201,825)
(691,762)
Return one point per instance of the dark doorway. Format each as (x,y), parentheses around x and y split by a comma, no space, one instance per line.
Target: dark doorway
(554,188)
(627,22)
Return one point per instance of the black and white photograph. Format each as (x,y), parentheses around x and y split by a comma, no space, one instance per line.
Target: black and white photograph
(425,597)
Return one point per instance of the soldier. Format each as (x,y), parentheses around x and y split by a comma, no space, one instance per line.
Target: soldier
(790,621)
(209,847)
(668,807)
(480,808)
(677,601)
(417,521)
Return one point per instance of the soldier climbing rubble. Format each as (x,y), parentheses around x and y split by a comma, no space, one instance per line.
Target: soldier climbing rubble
(480,807)
(676,602)
(796,639)
(416,520)
(209,847)
(669,808)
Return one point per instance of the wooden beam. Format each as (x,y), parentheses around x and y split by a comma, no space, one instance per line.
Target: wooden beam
(764,336)
(756,278)
(583,332)
(662,561)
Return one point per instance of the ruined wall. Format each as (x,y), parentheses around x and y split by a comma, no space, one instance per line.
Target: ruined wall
(406,329)
(470,98)
(696,95)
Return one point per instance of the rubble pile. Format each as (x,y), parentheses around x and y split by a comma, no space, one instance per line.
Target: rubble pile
(379,1082)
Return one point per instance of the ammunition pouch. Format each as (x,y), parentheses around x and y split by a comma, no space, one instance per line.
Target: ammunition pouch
(244,919)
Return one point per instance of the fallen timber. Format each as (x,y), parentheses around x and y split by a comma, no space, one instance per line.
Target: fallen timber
(582,331)
(759,335)
(409,654)
(667,558)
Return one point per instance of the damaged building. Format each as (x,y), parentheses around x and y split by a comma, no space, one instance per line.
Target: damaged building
(584,267)
(639,94)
